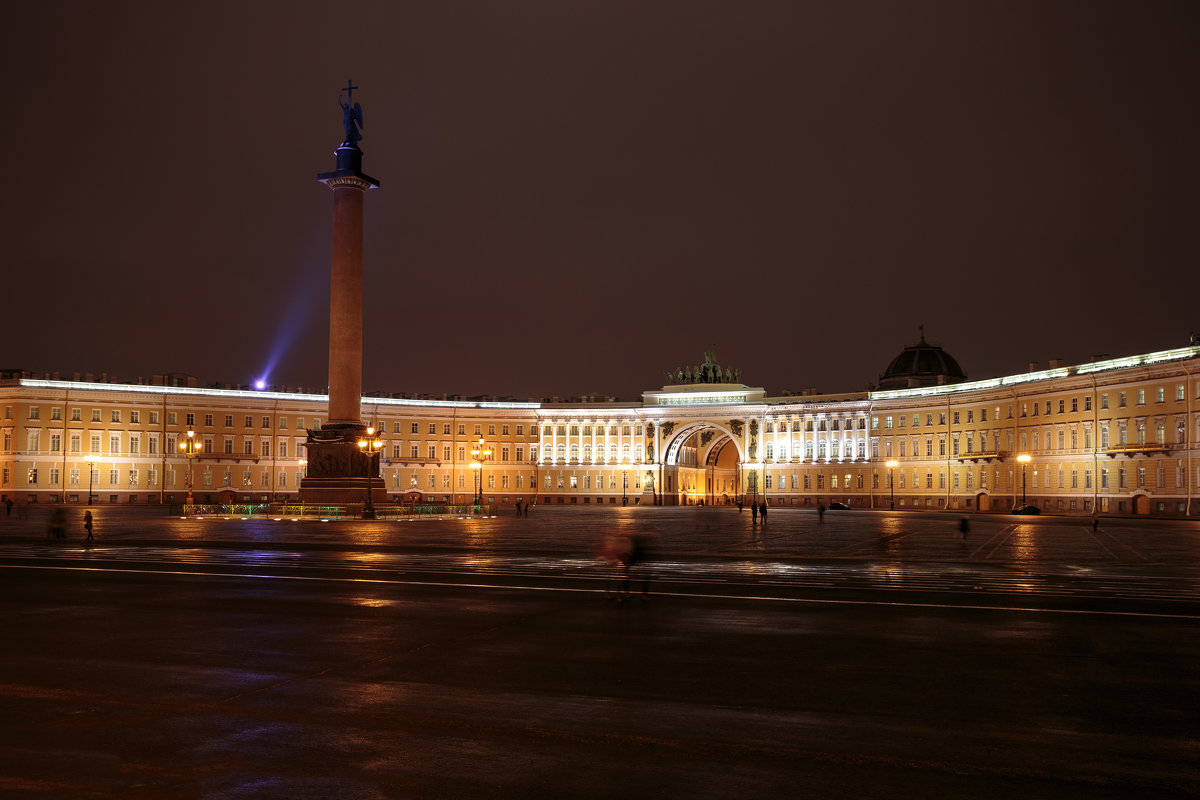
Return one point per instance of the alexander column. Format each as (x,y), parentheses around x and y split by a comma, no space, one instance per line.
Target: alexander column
(339,470)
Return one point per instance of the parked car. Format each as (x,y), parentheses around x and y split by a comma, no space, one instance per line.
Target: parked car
(1027,510)
(838,507)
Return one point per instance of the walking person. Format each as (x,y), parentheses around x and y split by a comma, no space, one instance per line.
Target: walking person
(87,525)
(8,506)
(763,512)
(963,526)
(820,512)
(518,506)
(754,513)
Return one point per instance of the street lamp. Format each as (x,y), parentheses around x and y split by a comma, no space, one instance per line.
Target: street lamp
(190,446)
(91,459)
(624,486)
(480,453)
(1024,458)
(370,446)
(891,465)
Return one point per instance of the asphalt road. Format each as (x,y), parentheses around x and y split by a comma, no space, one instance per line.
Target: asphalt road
(871,655)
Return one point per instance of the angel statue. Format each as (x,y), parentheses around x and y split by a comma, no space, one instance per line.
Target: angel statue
(352,117)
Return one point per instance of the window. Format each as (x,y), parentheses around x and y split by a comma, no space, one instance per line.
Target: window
(208,420)
(265,447)
(96,415)
(75,415)
(433,429)
(1141,397)
(1160,394)
(283,423)
(229,420)
(266,422)
(1121,403)
(190,419)
(415,428)
(116,415)
(446,429)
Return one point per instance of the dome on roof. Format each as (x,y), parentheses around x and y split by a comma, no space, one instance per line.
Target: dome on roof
(921,364)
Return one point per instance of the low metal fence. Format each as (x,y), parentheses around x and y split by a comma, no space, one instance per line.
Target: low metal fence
(336,512)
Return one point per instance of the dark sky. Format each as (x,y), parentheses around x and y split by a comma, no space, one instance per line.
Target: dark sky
(580,195)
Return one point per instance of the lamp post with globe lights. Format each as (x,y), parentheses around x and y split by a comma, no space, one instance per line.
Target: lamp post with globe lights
(891,465)
(91,459)
(370,445)
(191,447)
(479,454)
(1024,459)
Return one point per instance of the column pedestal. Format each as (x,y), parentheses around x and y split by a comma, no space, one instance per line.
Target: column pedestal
(338,469)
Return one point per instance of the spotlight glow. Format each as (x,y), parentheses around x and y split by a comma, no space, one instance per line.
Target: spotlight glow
(260,384)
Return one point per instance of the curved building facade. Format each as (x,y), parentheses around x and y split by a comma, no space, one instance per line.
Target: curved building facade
(1116,436)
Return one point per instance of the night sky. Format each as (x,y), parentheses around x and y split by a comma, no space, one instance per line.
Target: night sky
(577,196)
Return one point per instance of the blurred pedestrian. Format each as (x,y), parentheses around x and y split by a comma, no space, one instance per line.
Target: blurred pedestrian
(820,512)
(8,506)
(763,512)
(964,525)
(58,524)
(638,554)
(518,506)
(1095,520)
(87,525)
(754,513)
(613,550)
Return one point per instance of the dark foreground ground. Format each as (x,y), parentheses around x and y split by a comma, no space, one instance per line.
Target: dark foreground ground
(872,655)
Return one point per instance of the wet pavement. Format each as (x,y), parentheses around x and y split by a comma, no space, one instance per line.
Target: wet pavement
(868,655)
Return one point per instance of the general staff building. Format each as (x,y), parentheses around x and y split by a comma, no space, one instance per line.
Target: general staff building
(1113,436)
